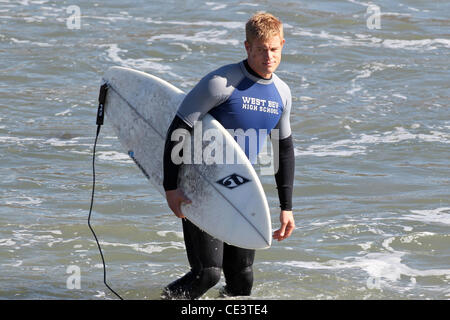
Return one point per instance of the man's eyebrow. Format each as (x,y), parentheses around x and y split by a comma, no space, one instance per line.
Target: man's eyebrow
(269,46)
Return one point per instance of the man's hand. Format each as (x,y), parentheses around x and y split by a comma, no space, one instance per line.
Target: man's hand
(174,199)
(287,225)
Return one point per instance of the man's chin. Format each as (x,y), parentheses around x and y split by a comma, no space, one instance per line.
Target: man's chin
(270,68)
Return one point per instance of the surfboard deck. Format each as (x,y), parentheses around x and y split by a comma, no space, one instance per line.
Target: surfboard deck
(228,200)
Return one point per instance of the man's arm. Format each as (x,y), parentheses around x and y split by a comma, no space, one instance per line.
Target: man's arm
(170,168)
(174,196)
(284,178)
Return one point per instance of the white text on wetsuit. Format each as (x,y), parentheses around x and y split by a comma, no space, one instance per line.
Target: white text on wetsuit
(262,105)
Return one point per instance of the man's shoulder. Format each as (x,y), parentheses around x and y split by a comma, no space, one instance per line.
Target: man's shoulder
(223,79)
(281,85)
(227,71)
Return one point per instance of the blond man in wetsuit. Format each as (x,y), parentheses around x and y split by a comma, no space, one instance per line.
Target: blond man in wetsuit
(223,93)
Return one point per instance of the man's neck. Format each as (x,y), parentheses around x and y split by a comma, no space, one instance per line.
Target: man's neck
(253,72)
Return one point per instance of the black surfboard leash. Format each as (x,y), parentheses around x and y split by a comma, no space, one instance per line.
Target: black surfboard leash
(99,122)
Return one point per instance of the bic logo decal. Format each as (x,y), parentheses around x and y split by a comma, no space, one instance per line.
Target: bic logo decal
(232,181)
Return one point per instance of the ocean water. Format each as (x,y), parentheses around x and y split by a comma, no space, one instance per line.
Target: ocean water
(371,125)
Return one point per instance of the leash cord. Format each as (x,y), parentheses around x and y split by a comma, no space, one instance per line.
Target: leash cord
(90,213)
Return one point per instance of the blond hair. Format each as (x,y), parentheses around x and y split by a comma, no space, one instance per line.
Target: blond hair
(263,26)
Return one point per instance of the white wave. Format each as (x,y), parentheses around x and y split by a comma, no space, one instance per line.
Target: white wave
(366,246)
(426,44)
(367,71)
(100,294)
(325,35)
(24,201)
(306,99)
(248,4)
(209,36)
(113,52)
(439,216)
(109,18)
(355,87)
(7,242)
(349,147)
(399,135)
(386,266)
(202,23)
(18,263)
(56,142)
(57,232)
(35,43)
(63,113)
(216,5)
(415,237)
(114,156)
(416,10)
(17,140)
(24,238)
(183,45)
(147,247)
(372,41)
(39,19)
(370,3)
(395,14)
(397,95)
(360,3)
(165,233)
(330,150)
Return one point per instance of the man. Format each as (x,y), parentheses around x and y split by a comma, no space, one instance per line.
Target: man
(222,93)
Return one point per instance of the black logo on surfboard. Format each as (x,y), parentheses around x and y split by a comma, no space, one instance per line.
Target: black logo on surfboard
(232,181)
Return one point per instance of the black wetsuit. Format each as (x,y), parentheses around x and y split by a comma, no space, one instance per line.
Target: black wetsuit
(222,93)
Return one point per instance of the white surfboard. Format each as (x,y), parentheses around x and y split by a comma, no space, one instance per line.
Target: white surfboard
(228,200)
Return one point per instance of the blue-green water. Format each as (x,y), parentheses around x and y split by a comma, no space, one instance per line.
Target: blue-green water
(370,119)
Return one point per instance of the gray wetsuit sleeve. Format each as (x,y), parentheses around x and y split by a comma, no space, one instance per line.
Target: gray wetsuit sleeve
(212,90)
(284,124)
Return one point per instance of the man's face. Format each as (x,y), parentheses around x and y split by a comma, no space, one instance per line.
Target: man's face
(264,56)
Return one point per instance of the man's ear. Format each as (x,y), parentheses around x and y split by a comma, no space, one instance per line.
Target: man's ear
(247,45)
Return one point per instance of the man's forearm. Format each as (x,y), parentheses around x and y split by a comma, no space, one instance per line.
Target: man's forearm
(171,169)
(284,177)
